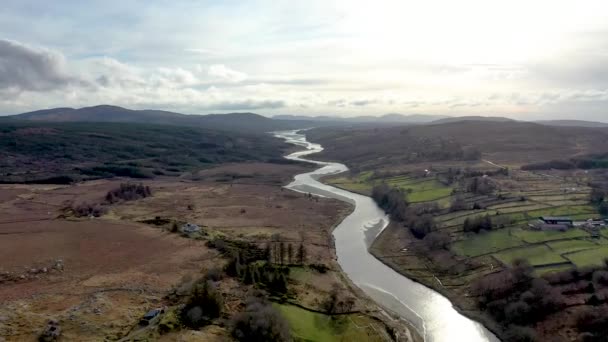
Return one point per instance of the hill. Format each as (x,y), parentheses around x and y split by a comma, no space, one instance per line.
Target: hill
(66,151)
(245,122)
(473,118)
(391,118)
(508,141)
(572,123)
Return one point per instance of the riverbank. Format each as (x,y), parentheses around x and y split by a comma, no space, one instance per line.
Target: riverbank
(388,248)
(433,313)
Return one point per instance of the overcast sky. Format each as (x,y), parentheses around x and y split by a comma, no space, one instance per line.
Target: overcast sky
(522,59)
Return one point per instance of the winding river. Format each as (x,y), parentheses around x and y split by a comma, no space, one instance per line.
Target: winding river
(432,314)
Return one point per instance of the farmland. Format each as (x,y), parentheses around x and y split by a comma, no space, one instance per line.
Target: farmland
(521,197)
(313,326)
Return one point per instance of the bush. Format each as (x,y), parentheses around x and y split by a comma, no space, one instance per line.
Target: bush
(86,209)
(260,322)
(517,333)
(128,192)
(204,305)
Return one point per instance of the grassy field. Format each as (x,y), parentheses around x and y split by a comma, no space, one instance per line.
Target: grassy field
(417,190)
(311,326)
(570,246)
(524,197)
(532,236)
(486,243)
(589,257)
(536,255)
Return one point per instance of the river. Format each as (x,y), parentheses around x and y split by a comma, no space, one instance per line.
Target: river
(431,313)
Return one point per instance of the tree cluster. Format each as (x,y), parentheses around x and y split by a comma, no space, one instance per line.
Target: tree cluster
(86,209)
(599,198)
(260,322)
(285,254)
(204,305)
(418,218)
(263,274)
(514,297)
(128,192)
(481,185)
(477,224)
(392,200)
(336,304)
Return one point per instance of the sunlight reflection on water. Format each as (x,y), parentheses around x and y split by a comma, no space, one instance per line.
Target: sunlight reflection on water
(430,312)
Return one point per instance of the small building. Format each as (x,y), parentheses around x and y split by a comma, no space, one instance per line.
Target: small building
(190,228)
(541,225)
(557,220)
(151,315)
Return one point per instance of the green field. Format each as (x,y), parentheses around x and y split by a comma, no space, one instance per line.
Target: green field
(550,269)
(589,257)
(417,190)
(565,210)
(535,255)
(310,326)
(534,236)
(570,246)
(484,243)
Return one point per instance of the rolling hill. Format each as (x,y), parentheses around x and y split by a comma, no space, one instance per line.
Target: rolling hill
(472,118)
(392,118)
(243,122)
(35,152)
(572,123)
(510,142)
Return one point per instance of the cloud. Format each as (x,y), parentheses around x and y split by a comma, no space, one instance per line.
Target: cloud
(224,73)
(24,68)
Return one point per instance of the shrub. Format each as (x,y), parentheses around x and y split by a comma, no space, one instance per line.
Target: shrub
(260,322)
(128,192)
(517,333)
(86,209)
(204,305)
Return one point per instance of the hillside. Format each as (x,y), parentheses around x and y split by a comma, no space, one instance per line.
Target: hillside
(391,118)
(572,123)
(246,122)
(472,118)
(508,142)
(39,151)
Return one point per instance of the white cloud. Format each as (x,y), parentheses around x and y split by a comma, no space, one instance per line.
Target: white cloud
(24,68)
(222,72)
(347,57)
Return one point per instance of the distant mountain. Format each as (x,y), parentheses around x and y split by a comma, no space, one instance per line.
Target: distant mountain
(473,118)
(572,123)
(387,118)
(245,122)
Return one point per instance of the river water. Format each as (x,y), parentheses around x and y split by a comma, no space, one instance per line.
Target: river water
(432,314)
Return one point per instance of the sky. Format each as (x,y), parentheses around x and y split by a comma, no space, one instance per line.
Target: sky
(541,59)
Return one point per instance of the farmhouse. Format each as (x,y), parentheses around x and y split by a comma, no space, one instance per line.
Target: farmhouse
(557,220)
(552,223)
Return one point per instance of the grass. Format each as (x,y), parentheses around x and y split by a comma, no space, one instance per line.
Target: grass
(417,189)
(590,257)
(540,271)
(348,184)
(533,236)
(565,210)
(429,195)
(570,246)
(535,255)
(484,243)
(312,326)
